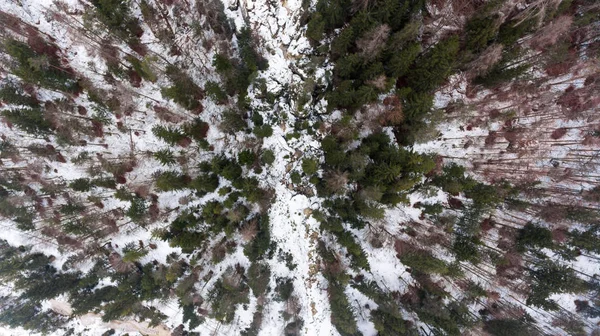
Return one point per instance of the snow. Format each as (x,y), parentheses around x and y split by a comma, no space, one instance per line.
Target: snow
(292,226)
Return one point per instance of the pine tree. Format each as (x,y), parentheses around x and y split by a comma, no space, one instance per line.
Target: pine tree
(171,180)
(29,120)
(432,69)
(165,156)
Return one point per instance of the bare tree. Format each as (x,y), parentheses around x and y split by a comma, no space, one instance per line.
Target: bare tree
(373,41)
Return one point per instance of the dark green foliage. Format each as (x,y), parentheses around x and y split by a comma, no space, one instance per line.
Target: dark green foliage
(341,312)
(316,27)
(285,288)
(582,215)
(22,215)
(267,157)
(222,63)
(116,15)
(453,179)
(165,156)
(400,61)
(388,323)
(138,210)
(549,278)
(196,129)
(344,95)
(385,174)
(507,327)
(226,295)
(237,75)
(342,316)
(72,208)
(415,105)
(484,196)
(170,135)
(227,168)
(104,182)
(499,75)
(246,157)
(295,177)
(142,68)
(588,240)
(310,166)
(29,316)
(29,120)
(205,183)
(81,184)
(510,31)
(184,91)
(260,245)
(182,233)
(251,59)
(424,262)
(393,169)
(46,283)
(507,69)
(480,31)
(357,255)
(43,69)
(171,180)
(214,91)
(433,209)
(15,260)
(263,131)
(535,237)
(334,153)
(432,68)
(11,93)
(466,248)
(258,278)
(190,315)
(232,121)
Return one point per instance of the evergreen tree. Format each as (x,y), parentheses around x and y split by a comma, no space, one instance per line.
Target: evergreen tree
(432,69)
(171,180)
(29,120)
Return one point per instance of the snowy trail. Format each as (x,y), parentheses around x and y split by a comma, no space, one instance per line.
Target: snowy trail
(292,227)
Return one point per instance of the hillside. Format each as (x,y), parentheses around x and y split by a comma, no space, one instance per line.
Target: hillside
(334,167)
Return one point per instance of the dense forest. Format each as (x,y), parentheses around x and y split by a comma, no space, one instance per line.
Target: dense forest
(325,167)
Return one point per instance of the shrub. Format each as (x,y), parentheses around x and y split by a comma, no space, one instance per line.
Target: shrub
(310,166)
(81,184)
(268,157)
(246,157)
(263,131)
(295,177)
